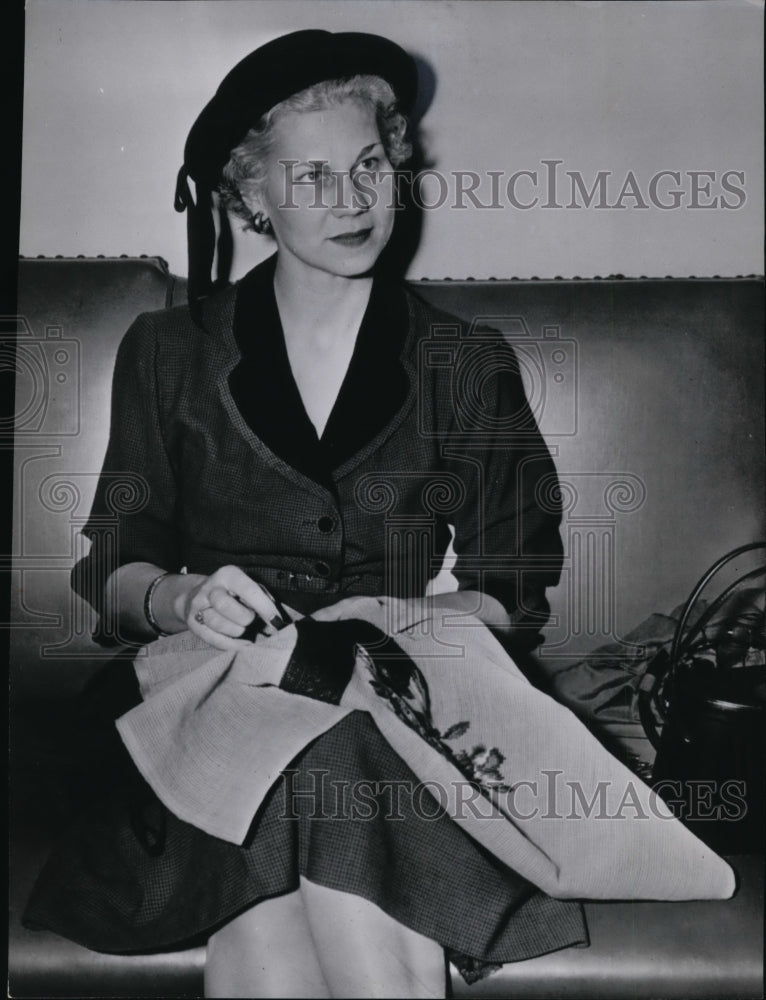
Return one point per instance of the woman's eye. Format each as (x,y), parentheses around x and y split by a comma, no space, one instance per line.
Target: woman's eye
(368,167)
(311,175)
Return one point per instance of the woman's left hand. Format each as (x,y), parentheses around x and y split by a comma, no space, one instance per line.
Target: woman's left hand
(350,607)
(380,611)
(394,614)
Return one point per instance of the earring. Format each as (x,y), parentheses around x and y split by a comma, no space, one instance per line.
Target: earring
(262,224)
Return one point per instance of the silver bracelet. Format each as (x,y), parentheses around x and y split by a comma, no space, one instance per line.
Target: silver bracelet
(148,613)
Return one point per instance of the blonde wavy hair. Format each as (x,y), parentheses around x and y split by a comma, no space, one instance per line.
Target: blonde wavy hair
(247,164)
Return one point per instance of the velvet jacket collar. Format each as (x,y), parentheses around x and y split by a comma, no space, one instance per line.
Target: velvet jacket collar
(266,396)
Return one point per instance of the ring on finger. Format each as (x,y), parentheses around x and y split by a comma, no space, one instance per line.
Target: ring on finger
(200,615)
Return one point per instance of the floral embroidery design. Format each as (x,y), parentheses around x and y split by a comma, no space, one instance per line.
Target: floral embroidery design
(403,685)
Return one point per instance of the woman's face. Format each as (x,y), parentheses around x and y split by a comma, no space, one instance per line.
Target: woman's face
(327,189)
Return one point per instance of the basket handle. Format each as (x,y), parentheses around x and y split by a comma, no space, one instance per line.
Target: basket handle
(663,663)
(700,586)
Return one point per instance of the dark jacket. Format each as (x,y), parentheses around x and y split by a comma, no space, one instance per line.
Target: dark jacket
(187,482)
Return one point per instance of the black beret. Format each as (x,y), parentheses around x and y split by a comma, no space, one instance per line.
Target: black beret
(267,76)
(278,70)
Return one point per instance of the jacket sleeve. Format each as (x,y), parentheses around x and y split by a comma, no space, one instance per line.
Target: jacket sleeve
(507,539)
(132,517)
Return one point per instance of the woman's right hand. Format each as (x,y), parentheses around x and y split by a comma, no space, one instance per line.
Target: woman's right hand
(221,606)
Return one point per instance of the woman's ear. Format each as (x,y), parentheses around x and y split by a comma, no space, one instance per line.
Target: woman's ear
(252,200)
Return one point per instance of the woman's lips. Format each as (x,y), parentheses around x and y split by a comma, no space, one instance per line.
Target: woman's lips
(355,239)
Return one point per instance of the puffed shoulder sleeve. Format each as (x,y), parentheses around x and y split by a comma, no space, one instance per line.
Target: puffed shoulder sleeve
(132,517)
(507,539)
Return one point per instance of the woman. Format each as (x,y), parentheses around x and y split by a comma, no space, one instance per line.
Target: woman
(297,443)
(296,326)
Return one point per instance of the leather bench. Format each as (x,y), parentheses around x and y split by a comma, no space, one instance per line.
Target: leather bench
(650,396)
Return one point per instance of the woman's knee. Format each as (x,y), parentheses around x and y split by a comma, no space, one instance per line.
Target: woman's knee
(248,956)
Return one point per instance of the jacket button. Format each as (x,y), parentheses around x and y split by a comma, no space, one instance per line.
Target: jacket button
(321,568)
(325,524)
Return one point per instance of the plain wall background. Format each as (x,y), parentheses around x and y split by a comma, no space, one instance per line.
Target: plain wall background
(112,87)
